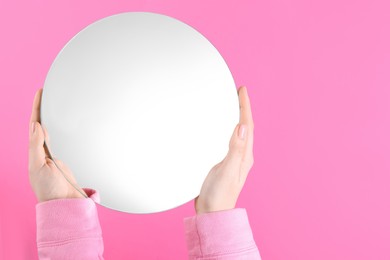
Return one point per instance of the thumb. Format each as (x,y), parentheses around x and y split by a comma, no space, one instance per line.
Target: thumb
(237,144)
(36,149)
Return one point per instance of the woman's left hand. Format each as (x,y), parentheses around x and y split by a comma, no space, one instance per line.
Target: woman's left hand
(46,179)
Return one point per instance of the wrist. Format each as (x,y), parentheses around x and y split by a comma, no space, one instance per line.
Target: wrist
(204,208)
(212,210)
(70,195)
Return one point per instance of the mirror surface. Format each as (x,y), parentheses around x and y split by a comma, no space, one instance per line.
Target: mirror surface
(140,106)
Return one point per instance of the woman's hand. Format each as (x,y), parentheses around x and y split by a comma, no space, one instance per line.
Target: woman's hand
(225,180)
(46,180)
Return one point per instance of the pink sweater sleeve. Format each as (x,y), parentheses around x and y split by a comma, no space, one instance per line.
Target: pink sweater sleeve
(220,235)
(69,228)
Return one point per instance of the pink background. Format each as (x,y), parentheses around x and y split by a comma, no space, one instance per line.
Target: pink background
(318,74)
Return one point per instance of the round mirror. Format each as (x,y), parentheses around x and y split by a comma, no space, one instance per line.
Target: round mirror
(140,106)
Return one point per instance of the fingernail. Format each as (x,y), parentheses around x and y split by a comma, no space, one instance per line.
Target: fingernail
(33,127)
(242,132)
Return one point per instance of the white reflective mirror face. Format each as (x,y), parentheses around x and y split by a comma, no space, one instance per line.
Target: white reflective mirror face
(140,107)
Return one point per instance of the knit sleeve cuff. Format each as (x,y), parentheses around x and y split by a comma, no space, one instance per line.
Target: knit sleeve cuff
(219,233)
(62,220)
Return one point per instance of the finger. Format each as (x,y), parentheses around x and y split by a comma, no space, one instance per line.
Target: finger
(65,169)
(46,134)
(240,155)
(247,119)
(47,147)
(236,149)
(237,145)
(69,176)
(245,107)
(36,150)
(35,113)
(36,107)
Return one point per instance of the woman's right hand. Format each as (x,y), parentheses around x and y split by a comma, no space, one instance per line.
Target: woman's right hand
(225,180)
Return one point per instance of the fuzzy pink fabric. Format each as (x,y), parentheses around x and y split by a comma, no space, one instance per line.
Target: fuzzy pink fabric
(70,229)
